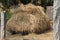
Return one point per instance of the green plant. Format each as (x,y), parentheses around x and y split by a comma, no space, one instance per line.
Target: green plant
(8,15)
(25,1)
(5,3)
(45,3)
(50,2)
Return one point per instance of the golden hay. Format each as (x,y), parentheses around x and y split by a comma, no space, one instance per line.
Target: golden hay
(28,18)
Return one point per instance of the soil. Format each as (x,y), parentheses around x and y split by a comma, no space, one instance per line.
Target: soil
(44,36)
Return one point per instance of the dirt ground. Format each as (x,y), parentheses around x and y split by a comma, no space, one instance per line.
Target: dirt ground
(32,36)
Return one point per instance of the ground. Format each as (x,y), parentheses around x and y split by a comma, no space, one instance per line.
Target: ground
(32,36)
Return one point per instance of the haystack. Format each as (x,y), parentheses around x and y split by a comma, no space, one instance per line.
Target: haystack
(28,19)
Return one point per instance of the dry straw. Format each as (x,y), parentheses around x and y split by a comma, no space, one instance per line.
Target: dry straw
(28,19)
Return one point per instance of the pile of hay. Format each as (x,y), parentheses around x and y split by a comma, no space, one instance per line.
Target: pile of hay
(28,19)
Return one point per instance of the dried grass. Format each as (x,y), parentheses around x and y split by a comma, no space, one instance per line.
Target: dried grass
(28,18)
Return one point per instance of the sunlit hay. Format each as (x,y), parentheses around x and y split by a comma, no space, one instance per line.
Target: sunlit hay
(28,19)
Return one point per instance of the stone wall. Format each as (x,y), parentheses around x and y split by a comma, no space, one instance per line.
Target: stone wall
(49,12)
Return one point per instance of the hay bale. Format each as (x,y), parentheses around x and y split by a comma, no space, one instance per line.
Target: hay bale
(28,18)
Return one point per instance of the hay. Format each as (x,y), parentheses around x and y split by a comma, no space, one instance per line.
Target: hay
(28,18)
